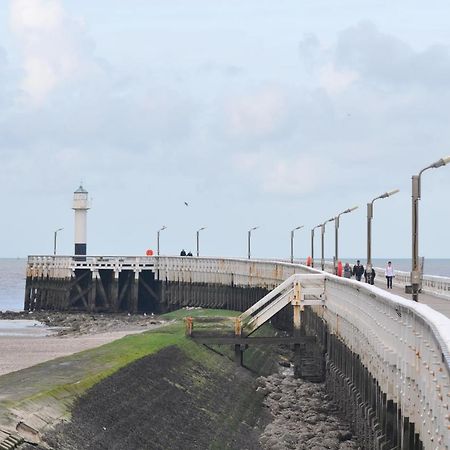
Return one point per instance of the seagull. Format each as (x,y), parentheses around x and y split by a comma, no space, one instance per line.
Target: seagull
(186,203)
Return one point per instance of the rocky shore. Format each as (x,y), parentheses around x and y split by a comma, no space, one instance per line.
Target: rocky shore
(304,416)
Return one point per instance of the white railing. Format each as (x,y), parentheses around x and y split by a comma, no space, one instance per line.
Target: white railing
(406,347)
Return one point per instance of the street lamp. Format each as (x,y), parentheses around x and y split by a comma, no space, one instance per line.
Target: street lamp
(249,240)
(336,235)
(54,239)
(292,241)
(323,240)
(198,240)
(157,238)
(312,244)
(369,232)
(415,272)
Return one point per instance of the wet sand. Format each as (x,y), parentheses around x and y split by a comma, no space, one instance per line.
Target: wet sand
(25,343)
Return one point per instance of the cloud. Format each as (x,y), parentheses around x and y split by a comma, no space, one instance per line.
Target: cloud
(335,81)
(292,175)
(257,115)
(54,46)
(384,59)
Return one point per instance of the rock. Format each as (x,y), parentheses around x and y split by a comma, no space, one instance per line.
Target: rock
(345,436)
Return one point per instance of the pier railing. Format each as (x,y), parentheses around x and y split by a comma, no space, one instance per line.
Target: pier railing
(272,271)
(404,345)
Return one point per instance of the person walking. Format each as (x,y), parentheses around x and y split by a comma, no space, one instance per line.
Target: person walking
(389,271)
(358,270)
(370,278)
(347,271)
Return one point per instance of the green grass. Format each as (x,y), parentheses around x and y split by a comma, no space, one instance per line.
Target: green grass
(101,362)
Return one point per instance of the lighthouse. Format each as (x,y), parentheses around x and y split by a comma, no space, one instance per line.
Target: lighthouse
(80,206)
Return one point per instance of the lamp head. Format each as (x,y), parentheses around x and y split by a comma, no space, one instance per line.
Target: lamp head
(389,193)
(349,210)
(202,228)
(162,228)
(254,228)
(441,162)
(298,228)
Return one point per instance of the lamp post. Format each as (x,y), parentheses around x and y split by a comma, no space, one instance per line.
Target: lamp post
(55,234)
(157,238)
(312,244)
(323,242)
(369,232)
(292,242)
(249,240)
(336,235)
(198,240)
(415,272)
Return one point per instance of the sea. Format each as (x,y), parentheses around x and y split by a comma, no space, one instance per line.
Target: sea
(13,271)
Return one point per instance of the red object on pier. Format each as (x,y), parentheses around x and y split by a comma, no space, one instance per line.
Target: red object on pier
(149,252)
(308,261)
(339,269)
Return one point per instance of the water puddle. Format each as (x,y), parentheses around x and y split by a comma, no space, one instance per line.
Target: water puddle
(24,328)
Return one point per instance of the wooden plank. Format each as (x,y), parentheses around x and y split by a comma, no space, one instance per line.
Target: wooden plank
(258,340)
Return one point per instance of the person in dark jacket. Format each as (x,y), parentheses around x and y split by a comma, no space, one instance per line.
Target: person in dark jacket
(372,278)
(183,252)
(358,270)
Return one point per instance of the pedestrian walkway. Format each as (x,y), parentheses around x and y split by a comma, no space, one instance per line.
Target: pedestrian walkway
(439,304)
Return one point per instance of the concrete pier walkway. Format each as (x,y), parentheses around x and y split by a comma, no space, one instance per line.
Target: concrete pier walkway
(438,303)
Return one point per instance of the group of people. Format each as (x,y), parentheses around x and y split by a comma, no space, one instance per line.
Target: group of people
(358,271)
(183,253)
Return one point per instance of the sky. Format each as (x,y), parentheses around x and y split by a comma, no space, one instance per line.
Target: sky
(255,113)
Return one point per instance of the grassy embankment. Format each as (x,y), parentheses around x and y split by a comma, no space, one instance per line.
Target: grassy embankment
(55,385)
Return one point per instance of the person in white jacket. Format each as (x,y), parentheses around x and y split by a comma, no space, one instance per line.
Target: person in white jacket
(389,271)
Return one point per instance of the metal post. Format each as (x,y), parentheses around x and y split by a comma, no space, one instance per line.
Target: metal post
(322,262)
(415,273)
(292,241)
(292,246)
(198,240)
(249,240)
(157,238)
(416,187)
(369,242)
(369,232)
(336,240)
(54,240)
(312,247)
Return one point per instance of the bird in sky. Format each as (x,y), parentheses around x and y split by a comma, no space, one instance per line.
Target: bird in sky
(186,203)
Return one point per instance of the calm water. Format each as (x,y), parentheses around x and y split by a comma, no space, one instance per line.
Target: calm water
(12,276)
(12,284)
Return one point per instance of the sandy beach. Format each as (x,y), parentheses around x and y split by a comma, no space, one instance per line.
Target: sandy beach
(26,341)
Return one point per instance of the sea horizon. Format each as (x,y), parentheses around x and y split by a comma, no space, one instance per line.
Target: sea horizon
(13,275)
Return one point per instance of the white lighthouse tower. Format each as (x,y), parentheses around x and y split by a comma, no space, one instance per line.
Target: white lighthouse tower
(80,206)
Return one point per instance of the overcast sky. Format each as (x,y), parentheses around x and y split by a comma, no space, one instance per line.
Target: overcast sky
(255,112)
